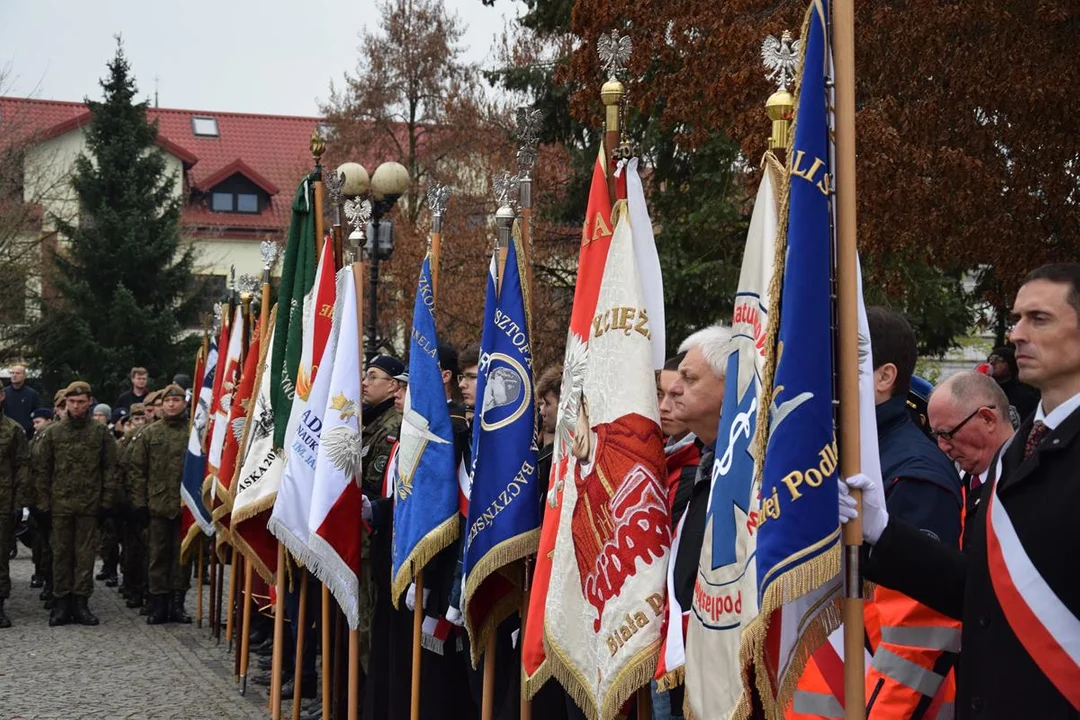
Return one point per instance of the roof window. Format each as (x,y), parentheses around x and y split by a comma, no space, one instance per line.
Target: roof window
(204,126)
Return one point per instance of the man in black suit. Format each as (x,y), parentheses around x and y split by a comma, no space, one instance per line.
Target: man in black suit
(1014,585)
(968,416)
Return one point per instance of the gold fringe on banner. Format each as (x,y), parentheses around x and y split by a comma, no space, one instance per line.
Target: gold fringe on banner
(428,547)
(672,680)
(506,552)
(241,546)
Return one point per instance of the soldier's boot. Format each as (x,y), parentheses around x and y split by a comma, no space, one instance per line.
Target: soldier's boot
(82,613)
(177,612)
(134,599)
(61,611)
(46,594)
(148,601)
(158,613)
(36,581)
(5,621)
(104,573)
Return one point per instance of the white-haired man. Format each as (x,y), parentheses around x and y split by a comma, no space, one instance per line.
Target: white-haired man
(969,418)
(698,395)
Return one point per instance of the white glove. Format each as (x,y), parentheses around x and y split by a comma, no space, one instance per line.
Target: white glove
(875,517)
(454,615)
(410,597)
(365,511)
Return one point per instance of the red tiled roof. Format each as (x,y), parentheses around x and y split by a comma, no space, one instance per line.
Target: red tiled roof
(270,150)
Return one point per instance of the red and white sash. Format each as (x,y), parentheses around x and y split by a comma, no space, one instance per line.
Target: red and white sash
(1045,627)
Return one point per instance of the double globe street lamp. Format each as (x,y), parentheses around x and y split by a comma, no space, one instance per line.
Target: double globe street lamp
(368,202)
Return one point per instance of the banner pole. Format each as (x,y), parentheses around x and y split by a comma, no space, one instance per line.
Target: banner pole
(354,634)
(848,347)
(234,578)
(526,704)
(418,630)
(245,632)
(210,620)
(235,613)
(199,584)
(301,627)
(220,600)
(487,707)
(326,664)
(279,635)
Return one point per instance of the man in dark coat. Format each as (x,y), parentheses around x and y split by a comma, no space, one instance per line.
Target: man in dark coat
(20,400)
(1019,550)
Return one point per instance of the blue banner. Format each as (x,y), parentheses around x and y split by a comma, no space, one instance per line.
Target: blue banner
(504,504)
(486,337)
(798,544)
(425,483)
(191,487)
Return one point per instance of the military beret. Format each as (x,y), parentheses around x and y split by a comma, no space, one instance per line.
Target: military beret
(59,396)
(42,413)
(150,398)
(137,409)
(119,414)
(77,388)
(388,364)
(172,390)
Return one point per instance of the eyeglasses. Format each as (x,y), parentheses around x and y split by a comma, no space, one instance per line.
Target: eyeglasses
(467,376)
(372,376)
(948,435)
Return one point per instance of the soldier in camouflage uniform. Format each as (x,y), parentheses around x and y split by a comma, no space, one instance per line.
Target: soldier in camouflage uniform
(75,465)
(134,540)
(381,427)
(37,505)
(156,469)
(42,418)
(14,465)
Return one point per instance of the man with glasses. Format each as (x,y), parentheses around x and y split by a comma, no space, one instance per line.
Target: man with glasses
(969,419)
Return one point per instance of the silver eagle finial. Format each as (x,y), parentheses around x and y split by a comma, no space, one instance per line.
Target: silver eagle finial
(438,195)
(247,283)
(614,51)
(334,182)
(781,57)
(504,184)
(269,251)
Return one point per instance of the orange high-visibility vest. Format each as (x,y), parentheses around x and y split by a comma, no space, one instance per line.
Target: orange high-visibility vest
(910,675)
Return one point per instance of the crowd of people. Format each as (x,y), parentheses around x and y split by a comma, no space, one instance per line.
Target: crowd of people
(941,632)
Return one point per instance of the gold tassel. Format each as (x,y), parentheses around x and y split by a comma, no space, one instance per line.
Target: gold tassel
(428,547)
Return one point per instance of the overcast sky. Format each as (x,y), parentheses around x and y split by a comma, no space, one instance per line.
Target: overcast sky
(267,56)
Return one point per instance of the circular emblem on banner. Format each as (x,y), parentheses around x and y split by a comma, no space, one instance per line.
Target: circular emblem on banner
(507,392)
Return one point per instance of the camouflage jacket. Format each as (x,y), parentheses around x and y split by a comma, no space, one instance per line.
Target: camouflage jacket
(155,467)
(75,468)
(382,424)
(14,465)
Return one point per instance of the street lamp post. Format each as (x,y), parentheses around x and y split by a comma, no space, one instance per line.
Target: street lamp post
(373,199)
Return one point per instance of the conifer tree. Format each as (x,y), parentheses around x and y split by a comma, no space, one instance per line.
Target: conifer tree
(119,283)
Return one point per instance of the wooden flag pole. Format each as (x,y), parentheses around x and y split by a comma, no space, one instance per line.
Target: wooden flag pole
(245,632)
(199,584)
(487,707)
(211,620)
(278,657)
(234,578)
(354,634)
(326,703)
(848,348)
(418,632)
(526,704)
(236,615)
(220,599)
(301,627)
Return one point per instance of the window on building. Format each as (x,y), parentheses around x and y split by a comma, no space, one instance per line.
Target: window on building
(247,203)
(204,126)
(222,202)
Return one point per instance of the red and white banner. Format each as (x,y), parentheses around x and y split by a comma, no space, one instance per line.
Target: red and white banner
(608,587)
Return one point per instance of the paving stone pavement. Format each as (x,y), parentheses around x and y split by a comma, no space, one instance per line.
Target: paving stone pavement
(123,668)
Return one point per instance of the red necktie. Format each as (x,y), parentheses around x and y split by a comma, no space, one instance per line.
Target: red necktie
(1038,432)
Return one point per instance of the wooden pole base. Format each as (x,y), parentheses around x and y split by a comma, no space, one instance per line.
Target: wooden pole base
(418,631)
(279,636)
(245,631)
(301,628)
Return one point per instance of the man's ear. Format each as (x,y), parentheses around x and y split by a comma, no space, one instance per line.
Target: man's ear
(885,378)
(447,376)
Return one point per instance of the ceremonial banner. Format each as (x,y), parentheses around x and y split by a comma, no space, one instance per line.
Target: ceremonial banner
(595,242)
(504,501)
(608,584)
(260,474)
(297,277)
(289,521)
(426,499)
(725,590)
(191,487)
(189,530)
(208,487)
(648,263)
(228,377)
(336,499)
(230,453)
(798,547)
